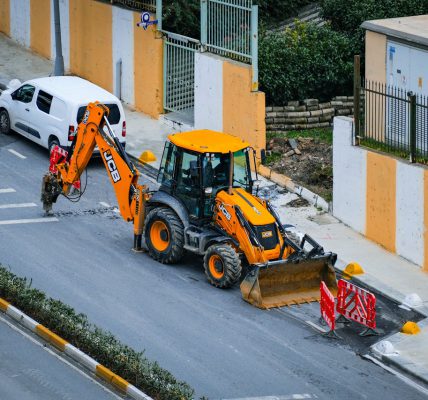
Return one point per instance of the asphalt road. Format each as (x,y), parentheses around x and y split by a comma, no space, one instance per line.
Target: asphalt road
(208,337)
(30,372)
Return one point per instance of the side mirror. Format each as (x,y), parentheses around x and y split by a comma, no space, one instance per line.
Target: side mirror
(13,95)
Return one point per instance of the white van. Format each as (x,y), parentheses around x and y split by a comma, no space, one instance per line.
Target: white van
(48,110)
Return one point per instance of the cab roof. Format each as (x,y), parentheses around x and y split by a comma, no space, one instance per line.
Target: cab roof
(207,141)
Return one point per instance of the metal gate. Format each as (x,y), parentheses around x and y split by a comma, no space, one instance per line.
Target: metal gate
(179,73)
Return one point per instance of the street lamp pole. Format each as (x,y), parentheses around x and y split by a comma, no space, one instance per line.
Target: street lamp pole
(59,60)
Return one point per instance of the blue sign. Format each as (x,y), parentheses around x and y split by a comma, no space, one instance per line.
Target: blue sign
(145,20)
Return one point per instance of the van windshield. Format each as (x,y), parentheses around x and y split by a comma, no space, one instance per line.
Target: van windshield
(113,118)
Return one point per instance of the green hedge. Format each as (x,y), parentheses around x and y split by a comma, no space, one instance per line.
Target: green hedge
(99,344)
(305,62)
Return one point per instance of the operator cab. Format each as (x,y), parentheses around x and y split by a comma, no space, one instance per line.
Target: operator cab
(195,166)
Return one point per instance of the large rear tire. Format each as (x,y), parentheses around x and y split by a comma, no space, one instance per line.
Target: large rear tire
(222,265)
(164,234)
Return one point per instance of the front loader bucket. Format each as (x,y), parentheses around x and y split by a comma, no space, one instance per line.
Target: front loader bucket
(289,282)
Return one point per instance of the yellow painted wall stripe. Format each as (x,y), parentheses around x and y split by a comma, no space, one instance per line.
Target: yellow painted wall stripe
(148,69)
(381,200)
(40,27)
(4,305)
(5,17)
(425,266)
(51,337)
(111,377)
(243,110)
(91,53)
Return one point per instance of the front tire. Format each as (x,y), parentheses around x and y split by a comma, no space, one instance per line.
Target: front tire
(222,265)
(164,234)
(4,122)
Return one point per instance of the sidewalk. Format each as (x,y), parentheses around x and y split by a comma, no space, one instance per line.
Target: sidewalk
(385,272)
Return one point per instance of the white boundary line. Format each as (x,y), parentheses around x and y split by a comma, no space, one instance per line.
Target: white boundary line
(43,346)
(18,205)
(28,221)
(400,376)
(104,204)
(7,190)
(15,153)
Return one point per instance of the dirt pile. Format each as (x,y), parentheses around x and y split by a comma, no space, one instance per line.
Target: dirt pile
(307,160)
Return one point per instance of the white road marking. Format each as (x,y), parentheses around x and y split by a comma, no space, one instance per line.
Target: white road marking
(28,221)
(317,327)
(7,190)
(104,204)
(15,153)
(18,205)
(296,396)
(397,374)
(43,346)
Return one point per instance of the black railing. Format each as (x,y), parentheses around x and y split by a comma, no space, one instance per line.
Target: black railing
(391,119)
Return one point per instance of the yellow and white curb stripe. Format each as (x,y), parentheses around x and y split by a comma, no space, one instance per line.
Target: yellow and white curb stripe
(73,352)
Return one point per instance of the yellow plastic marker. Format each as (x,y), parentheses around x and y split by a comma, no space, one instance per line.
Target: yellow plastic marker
(410,328)
(352,269)
(147,156)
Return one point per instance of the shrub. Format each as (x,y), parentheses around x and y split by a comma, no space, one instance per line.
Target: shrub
(308,61)
(99,344)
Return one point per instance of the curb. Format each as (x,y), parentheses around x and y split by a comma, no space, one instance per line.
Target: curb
(286,182)
(73,352)
(400,362)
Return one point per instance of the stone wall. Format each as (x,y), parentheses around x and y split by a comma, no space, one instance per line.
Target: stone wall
(308,114)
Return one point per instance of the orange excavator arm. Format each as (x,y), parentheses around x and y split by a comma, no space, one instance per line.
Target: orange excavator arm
(94,130)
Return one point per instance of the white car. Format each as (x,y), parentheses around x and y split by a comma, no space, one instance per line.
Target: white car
(48,110)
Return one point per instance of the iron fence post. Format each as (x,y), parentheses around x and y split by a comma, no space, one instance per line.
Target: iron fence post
(357,103)
(204,23)
(159,14)
(412,98)
(255,46)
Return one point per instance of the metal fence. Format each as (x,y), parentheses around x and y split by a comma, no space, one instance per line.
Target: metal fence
(230,28)
(392,120)
(179,72)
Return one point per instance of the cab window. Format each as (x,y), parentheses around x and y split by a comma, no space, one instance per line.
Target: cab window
(24,94)
(44,101)
(166,170)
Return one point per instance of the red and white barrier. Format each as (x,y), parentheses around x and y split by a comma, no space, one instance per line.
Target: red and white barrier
(327,306)
(357,304)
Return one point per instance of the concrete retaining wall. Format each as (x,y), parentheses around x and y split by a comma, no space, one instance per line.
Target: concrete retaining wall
(224,100)
(382,197)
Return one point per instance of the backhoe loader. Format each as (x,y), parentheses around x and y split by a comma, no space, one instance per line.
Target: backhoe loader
(204,205)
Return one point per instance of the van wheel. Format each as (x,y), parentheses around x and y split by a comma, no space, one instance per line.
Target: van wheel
(4,122)
(52,143)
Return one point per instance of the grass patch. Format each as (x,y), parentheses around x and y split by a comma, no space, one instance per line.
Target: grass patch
(60,318)
(324,135)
